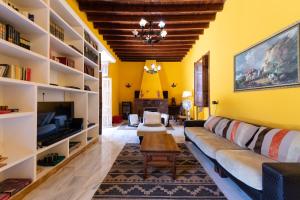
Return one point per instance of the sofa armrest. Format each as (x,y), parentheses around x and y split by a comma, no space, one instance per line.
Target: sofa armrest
(281,181)
(194,123)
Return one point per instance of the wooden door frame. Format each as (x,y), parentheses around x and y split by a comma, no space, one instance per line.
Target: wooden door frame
(208,71)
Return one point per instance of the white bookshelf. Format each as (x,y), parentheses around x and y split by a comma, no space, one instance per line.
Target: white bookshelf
(18,131)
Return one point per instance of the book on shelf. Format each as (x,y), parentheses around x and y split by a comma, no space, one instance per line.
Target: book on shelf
(88,38)
(13,185)
(15,72)
(89,70)
(66,61)
(28,15)
(57,31)
(90,54)
(10,34)
(2,31)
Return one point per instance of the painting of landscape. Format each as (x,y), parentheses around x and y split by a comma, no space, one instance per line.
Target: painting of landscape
(272,63)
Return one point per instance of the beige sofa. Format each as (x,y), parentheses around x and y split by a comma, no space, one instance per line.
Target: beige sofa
(240,150)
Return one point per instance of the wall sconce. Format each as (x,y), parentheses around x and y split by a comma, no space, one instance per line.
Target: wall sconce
(174,85)
(215,102)
(128,85)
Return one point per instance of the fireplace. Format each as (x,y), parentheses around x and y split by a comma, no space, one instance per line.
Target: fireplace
(154,105)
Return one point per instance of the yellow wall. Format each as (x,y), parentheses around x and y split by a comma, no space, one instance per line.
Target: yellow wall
(151,86)
(132,72)
(113,68)
(241,24)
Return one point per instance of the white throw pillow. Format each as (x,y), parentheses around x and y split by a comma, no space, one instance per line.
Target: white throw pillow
(152,118)
(166,118)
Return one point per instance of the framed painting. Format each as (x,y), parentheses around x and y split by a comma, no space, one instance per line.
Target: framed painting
(271,63)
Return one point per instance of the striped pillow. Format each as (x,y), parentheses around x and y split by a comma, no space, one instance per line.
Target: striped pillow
(240,133)
(222,127)
(211,122)
(278,144)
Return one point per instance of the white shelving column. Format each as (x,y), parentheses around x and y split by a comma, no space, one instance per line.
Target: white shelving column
(18,131)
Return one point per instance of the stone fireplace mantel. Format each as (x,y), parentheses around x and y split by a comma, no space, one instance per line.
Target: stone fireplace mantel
(141,105)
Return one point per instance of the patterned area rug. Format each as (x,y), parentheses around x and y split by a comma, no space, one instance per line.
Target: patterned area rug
(125,179)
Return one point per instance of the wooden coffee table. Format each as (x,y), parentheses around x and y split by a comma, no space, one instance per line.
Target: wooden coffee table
(159,150)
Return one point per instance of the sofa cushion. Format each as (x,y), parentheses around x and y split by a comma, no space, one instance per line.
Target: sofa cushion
(244,165)
(193,132)
(222,127)
(151,128)
(210,145)
(211,122)
(152,118)
(278,144)
(240,132)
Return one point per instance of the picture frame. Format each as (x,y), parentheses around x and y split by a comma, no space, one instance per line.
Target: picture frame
(272,63)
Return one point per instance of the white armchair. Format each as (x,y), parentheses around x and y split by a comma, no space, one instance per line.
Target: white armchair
(133,120)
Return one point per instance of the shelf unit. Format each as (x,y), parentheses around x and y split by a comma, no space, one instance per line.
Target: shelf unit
(18,131)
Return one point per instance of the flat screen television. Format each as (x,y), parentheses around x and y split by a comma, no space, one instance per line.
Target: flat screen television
(55,121)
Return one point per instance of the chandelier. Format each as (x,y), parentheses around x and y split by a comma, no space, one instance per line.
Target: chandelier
(154,69)
(147,32)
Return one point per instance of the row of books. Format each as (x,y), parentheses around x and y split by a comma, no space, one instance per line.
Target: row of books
(10,34)
(11,186)
(15,72)
(23,12)
(57,31)
(90,54)
(88,38)
(89,70)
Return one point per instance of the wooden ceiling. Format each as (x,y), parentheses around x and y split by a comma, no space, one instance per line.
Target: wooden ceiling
(185,22)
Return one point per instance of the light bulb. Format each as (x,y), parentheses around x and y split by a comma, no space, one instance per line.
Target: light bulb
(161,24)
(146,68)
(143,22)
(163,33)
(135,32)
(158,68)
(153,66)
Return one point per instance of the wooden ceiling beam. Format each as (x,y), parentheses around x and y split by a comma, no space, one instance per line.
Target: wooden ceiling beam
(170,32)
(135,25)
(145,10)
(151,2)
(95,17)
(150,51)
(124,47)
(162,48)
(141,43)
(150,54)
(133,39)
(169,59)
(162,59)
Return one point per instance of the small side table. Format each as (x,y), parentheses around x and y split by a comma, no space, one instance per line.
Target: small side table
(181,118)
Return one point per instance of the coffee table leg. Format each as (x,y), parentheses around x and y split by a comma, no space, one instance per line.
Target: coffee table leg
(145,165)
(174,167)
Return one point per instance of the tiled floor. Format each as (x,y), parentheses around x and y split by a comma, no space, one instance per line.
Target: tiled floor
(79,179)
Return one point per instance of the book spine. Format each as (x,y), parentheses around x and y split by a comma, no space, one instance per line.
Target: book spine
(12,71)
(28,74)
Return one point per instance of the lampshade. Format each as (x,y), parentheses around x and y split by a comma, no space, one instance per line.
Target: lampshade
(186,94)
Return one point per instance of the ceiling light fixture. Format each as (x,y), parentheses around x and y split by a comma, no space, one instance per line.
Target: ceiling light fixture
(147,32)
(154,69)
